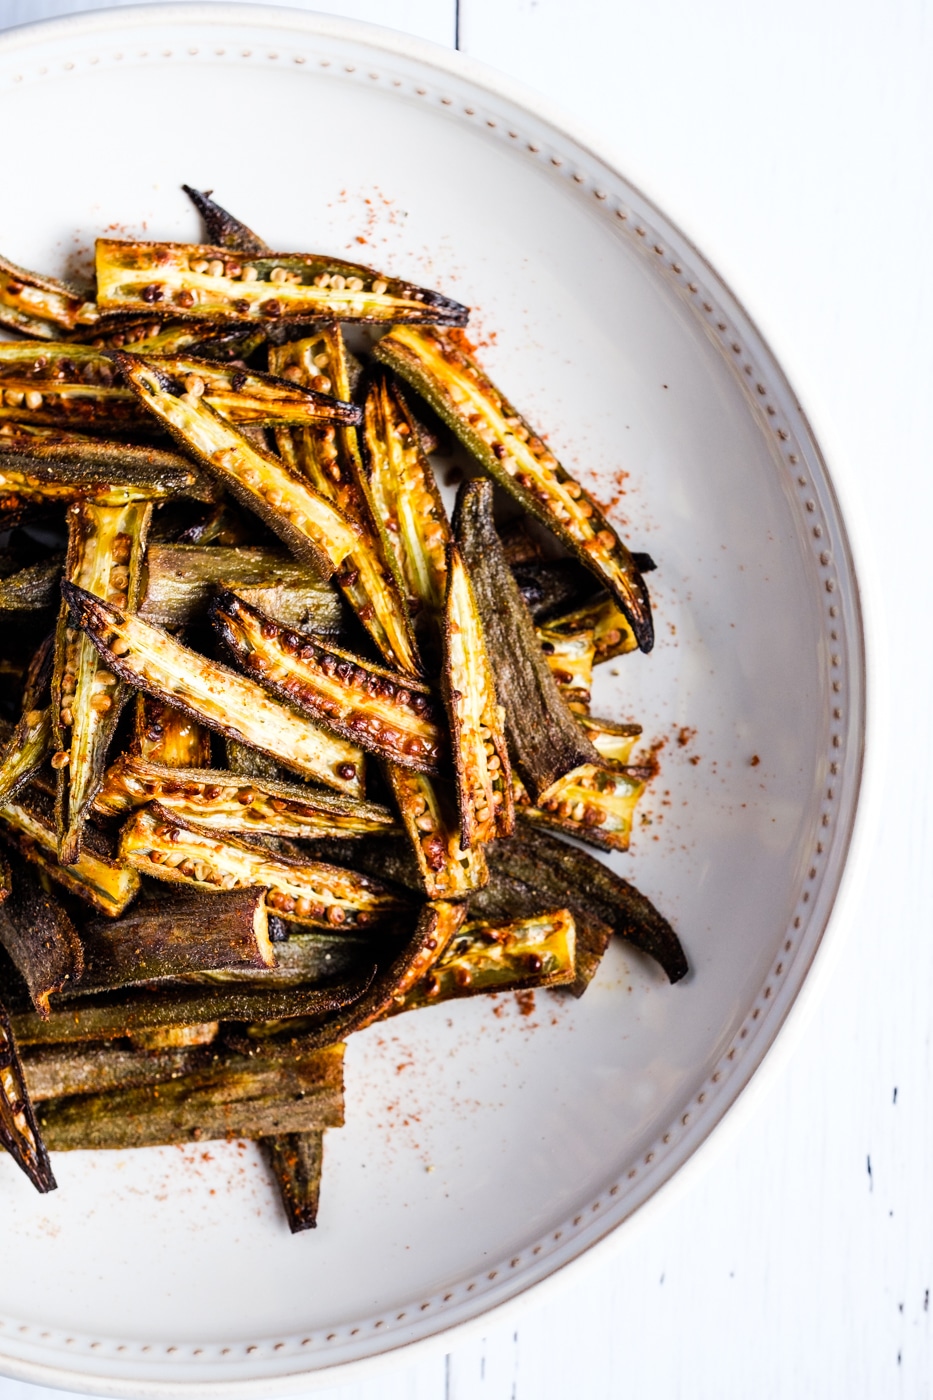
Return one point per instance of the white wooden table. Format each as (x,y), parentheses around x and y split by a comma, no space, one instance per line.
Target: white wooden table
(793,143)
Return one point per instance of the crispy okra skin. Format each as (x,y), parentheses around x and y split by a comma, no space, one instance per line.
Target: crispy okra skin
(545,741)
(508,448)
(385,712)
(151,660)
(20,1133)
(206,283)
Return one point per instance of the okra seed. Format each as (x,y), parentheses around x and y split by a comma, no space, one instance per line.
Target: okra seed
(606,538)
(101,703)
(233,269)
(379,287)
(322,280)
(354,284)
(336,915)
(346,771)
(120,647)
(215,268)
(199,265)
(60,759)
(119,577)
(116,599)
(195,385)
(154,292)
(33,399)
(425,822)
(337,282)
(184,299)
(294,372)
(249,274)
(67,718)
(322,361)
(271,308)
(33,718)
(14,397)
(278,274)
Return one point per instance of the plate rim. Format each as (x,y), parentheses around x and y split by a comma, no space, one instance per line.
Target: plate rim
(784,1034)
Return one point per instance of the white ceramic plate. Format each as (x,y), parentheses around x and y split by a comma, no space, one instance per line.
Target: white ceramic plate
(484,1149)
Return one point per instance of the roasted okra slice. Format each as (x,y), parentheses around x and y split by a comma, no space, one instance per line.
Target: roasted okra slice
(428,809)
(228,1096)
(47,464)
(153,661)
(40,938)
(157,843)
(219,340)
(384,712)
(56,384)
(512,453)
(485,956)
(244,396)
(41,306)
(304,520)
(481,760)
(594,804)
(297,1163)
(181,279)
(95,877)
(613,741)
(407,501)
(570,653)
(230,802)
(330,459)
(612,634)
(105,548)
(545,741)
(222,229)
(20,1133)
(25,751)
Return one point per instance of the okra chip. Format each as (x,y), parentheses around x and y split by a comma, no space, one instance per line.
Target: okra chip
(155,662)
(224,340)
(173,938)
(386,713)
(105,548)
(484,956)
(545,741)
(40,938)
(228,802)
(41,306)
(330,459)
(244,396)
(94,877)
(20,1133)
(230,1096)
(508,448)
(156,843)
(222,229)
(407,500)
(208,283)
(428,809)
(297,1161)
(304,520)
(481,760)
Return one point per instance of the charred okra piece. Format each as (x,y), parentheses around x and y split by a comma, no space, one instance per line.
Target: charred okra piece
(33,588)
(19,1130)
(297,1161)
(565,875)
(56,1071)
(428,809)
(28,746)
(225,340)
(304,520)
(407,502)
(94,877)
(40,938)
(222,229)
(490,957)
(156,843)
(62,385)
(511,452)
(105,548)
(545,741)
(304,958)
(246,397)
(613,742)
(230,1096)
(330,459)
(594,804)
(181,580)
(41,306)
(48,465)
(384,712)
(229,802)
(181,1014)
(181,279)
(164,735)
(173,938)
(481,760)
(151,660)
(612,635)
(570,653)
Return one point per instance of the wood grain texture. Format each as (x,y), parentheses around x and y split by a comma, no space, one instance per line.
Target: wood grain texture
(790,143)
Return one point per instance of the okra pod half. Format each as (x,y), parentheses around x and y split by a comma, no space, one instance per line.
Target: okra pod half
(41,306)
(329,457)
(303,519)
(297,1162)
(545,741)
(612,634)
(196,280)
(594,804)
(155,662)
(157,843)
(481,759)
(181,579)
(508,448)
(40,938)
(95,877)
(46,464)
(62,385)
(105,549)
(245,396)
(20,1133)
(229,1096)
(386,713)
(485,956)
(229,802)
(431,819)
